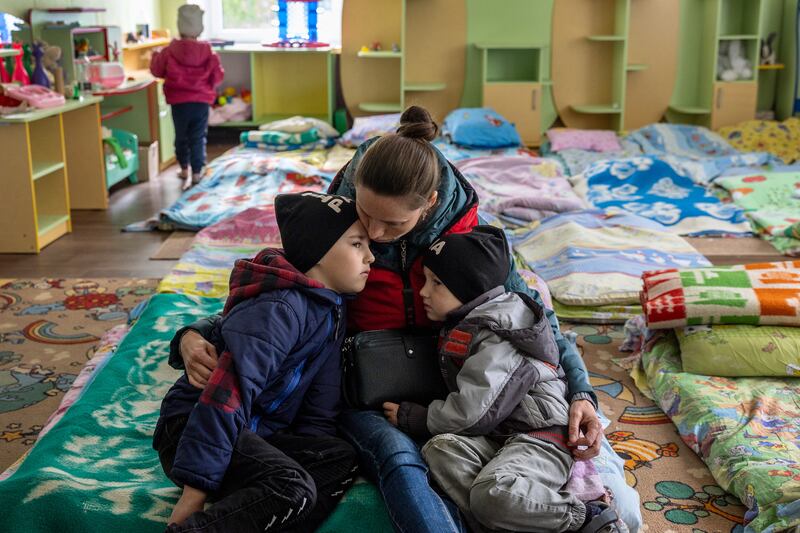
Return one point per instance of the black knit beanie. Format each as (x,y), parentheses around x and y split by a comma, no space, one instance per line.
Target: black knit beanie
(310,223)
(470,264)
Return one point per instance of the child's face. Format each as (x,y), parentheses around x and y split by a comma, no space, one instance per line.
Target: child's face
(346,265)
(438,299)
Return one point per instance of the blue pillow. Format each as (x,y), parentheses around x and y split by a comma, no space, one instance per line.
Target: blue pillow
(480,127)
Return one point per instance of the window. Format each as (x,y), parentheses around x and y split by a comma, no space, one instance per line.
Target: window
(257,20)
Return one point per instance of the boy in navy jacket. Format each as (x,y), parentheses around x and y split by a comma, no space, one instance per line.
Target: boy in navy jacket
(259,441)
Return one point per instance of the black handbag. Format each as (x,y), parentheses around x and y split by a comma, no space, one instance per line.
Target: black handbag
(391,366)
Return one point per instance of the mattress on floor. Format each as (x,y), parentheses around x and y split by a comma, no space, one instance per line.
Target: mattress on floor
(747,430)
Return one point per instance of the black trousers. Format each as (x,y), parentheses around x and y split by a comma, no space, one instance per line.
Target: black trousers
(286,482)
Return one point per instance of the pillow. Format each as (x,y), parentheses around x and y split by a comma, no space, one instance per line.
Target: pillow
(365,128)
(593,140)
(740,351)
(480,127)
(300,124)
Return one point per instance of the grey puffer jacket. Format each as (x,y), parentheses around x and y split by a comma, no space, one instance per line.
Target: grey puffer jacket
(500,362)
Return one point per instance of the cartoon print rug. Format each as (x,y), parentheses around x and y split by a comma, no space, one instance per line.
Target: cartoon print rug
(676,489)
(49,328)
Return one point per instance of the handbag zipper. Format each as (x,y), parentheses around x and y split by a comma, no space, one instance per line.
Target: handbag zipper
(408,291)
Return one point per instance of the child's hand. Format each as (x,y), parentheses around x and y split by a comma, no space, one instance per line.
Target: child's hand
(191,501)
(390,412)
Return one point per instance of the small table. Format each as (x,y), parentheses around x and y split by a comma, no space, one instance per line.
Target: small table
(52,161)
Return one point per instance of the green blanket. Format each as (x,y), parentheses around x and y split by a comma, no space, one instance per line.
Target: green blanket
(96,469)
(769,201)
(745,429)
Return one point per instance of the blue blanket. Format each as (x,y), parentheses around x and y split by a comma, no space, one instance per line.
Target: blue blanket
(241,179)
(698,152)
(653,188)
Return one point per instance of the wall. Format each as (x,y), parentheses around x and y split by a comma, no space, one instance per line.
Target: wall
(125,14)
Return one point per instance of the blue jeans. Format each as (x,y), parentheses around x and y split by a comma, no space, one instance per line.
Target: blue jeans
(191,126)
(392,460)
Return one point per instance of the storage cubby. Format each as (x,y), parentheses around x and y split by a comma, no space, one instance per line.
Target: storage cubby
(511,64)
(700,97)
(739,18)
(46,150)
(52,206)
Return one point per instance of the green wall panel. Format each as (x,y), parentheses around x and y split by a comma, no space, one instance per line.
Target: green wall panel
(508,22)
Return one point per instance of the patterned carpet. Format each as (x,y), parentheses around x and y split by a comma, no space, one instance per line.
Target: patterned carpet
(48,329)
(676,489)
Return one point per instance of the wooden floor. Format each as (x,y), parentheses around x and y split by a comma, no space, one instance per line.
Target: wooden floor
(97,248)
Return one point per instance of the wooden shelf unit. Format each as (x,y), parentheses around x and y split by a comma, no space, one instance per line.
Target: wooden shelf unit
(283,82)
(602,54)
(699,96)
(512,85)
(428,69)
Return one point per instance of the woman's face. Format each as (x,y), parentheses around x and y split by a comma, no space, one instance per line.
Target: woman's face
(387,218)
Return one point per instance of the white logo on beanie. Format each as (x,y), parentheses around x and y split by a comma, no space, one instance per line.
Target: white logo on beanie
(333,203)
(437,247)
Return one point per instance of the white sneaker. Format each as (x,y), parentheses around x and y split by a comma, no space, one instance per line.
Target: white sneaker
(183,173)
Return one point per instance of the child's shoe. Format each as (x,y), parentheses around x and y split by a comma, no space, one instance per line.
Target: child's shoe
(183,173)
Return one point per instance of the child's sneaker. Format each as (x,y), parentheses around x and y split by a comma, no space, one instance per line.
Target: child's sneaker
(600,518)
(197,177)
(183,173)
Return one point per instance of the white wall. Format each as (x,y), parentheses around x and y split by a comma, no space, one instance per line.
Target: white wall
(123,13)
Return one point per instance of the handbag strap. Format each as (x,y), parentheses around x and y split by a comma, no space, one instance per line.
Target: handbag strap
(408,291)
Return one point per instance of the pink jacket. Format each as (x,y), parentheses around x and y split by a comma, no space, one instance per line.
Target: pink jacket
(191,71)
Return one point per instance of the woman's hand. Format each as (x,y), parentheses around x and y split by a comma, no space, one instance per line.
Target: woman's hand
(390,412)
(191,501)
(584,430)
(199,358)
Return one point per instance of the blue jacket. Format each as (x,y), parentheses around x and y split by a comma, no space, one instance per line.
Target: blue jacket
(279,368)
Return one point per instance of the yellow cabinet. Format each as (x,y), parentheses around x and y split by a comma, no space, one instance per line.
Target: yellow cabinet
(520,103)
(734,102)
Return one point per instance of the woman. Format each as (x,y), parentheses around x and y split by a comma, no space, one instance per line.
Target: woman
(407,195)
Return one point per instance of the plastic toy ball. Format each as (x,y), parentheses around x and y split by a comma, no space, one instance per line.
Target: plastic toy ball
(222,100)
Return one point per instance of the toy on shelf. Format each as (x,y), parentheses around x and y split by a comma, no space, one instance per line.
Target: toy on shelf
(732,65)
(35,95)
(19,75)
(768,54)
(39,77)
(231,107)
(106,74)
(376,46)
(364,48)
(297,25)
(395,47)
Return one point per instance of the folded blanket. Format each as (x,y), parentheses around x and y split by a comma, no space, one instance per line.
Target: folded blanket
(521,187)
(756,294)
(595,258)
(280,138)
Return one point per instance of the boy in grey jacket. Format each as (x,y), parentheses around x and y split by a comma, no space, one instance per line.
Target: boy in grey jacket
(499,446)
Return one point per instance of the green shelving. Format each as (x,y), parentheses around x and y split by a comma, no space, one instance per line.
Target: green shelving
(607,38)
(382,54)
(700,96)
(610,109)
(381,107)
(424,87)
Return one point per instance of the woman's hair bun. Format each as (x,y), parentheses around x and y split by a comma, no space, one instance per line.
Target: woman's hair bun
(416,123)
